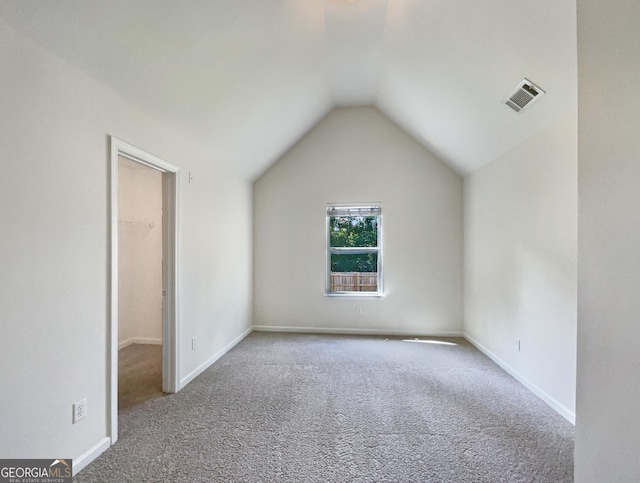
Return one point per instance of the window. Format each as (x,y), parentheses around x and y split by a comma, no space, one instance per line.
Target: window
(354,250)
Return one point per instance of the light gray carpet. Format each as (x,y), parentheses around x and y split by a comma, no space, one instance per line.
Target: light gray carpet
(315,408)
(139,374)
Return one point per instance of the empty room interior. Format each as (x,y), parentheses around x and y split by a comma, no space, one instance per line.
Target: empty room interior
(359,240)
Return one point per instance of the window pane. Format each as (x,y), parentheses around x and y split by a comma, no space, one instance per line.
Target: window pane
(365,262)
(354,273)
(353,231)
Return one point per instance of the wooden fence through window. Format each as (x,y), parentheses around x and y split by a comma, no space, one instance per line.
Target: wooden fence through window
(354,281)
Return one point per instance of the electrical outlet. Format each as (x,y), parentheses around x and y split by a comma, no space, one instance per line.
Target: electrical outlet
(358,310)
(518,345)
(79,410)
(194,343)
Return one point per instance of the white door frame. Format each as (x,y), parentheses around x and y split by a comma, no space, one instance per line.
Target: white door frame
(170,266)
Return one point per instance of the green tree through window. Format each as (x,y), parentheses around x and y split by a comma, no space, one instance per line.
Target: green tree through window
(353,242)
(354,231)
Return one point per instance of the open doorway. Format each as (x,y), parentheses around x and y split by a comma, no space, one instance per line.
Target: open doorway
(144,278)
(139,283)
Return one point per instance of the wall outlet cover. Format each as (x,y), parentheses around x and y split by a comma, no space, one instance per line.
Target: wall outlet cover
(79,410)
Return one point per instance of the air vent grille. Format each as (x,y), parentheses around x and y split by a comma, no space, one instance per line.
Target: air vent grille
(524,95)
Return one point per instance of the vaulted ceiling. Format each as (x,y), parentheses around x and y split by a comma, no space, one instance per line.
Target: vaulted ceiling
(248,78)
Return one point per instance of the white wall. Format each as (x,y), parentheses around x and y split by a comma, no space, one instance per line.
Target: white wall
(521,261)
(54,246)
(358,155)
(139,253)
(608,392)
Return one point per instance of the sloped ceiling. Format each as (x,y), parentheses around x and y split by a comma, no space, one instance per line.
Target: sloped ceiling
(248,78)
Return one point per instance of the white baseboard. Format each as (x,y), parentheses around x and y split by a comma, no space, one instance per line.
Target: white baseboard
(559,408)
(198,370)
(352,331)
(139,340)
(87,457)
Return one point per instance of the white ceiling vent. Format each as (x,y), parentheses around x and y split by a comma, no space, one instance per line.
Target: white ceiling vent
(524,95)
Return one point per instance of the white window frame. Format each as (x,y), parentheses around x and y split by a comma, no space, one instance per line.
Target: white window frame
(353,250)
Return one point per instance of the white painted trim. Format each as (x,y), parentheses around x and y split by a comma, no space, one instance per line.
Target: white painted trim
(90,455)
(352,331)
(171,281)
(378,294)
(202,367)
(559,408)
(355,295)
(171,251)
(139,340)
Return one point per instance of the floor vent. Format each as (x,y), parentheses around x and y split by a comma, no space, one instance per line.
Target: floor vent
(524,95)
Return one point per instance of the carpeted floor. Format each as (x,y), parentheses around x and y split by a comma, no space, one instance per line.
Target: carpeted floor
(139,374)
(316,408)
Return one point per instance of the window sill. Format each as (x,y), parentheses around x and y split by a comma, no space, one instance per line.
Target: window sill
(356,295)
